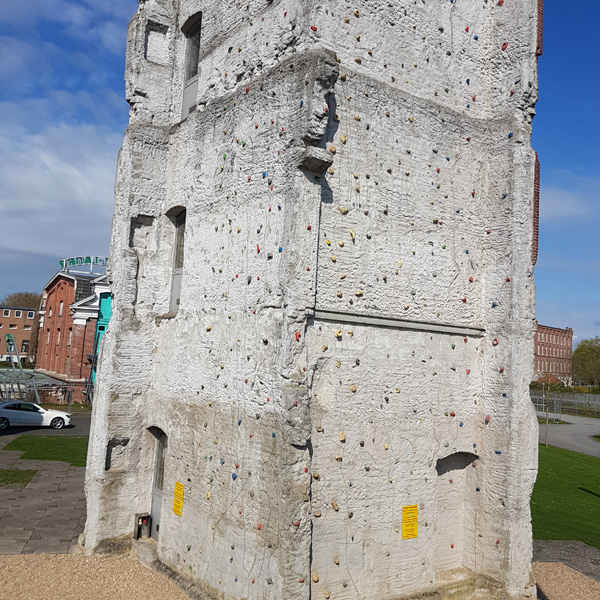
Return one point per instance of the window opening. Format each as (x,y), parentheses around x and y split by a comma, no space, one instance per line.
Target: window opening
(179,222)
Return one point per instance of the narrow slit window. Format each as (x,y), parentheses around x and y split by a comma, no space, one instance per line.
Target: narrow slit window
(178,220)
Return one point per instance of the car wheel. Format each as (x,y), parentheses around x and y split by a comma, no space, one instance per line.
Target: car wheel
(4,423)
(57,423)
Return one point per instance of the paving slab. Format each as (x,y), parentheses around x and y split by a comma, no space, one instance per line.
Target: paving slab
(48,514)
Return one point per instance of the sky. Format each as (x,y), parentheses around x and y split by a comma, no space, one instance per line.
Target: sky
(63,113)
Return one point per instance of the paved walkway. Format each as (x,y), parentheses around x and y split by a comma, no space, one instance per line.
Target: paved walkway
(577,436)
(577,555)
(48,514)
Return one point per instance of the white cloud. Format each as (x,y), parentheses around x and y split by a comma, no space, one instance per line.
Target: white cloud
(57,189)
(569,196)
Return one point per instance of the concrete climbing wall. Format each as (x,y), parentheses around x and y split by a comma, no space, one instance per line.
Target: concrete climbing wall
(344,386)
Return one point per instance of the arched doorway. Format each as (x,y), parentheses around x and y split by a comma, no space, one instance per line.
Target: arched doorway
(158,479)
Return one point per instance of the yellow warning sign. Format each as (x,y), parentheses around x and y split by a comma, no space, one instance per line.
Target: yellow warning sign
(178,499)
(409,522)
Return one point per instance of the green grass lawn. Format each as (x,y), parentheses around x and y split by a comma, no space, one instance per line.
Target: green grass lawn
(70,449)
(12,476)
(565,504)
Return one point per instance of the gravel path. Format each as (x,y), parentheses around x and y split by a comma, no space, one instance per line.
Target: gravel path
(75,576)
(556,581)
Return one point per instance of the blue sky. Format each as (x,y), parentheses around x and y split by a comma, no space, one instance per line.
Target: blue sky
(62,116)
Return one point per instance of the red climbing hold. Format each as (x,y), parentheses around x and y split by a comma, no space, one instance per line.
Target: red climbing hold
(470,280)
(489,231)
(487,419)
(308,268)
(466,340)
(245,381)
(250,435)
(474,98)
(495,342)
(247,90)
(253,580)
(464,300)
(473,194)
(296,523)
(268,399)
(437,170)
(259,526)
(500,2)
(313,27)
(450,480)
(468,371)
(295,402)
(305,470)
(249,178)
(512,92)
(501,369)
(452,413)
(255,125)
(497,541)
(468,139)
(505,46)
(257,248)
(309,227)
(507,279)
(297,336)
(285,14)
(451,545)
(467,29)
(301,580)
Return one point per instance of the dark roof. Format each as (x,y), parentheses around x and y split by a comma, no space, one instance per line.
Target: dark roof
(23,308)
(83,286)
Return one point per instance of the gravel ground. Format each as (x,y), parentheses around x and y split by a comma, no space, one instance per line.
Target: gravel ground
(75,576)
(556,581)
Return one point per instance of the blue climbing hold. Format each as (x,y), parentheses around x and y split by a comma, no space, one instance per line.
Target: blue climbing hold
(474,445)
(448,158)
(239,421)
(475,37)
(234,476)
(510,135)
(280,249)
(468,81)
(468,106)
(264,174)
(498,451)
(504,195)
(476,489)
(466,252)
(278,207)
(504,395)
(273,434)
(301,103)
(460,424)
(222,461)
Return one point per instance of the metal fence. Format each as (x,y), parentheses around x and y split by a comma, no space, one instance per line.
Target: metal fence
(558,404)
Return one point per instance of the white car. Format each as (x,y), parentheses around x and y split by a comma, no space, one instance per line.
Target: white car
(26,414)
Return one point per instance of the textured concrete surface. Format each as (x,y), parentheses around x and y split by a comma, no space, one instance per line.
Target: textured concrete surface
(577,436)
(354,339)
(48,514)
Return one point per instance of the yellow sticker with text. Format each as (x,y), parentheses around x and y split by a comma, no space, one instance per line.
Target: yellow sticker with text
(409,522)
(178,499)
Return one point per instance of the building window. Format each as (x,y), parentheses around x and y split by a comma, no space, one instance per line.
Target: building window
(18,314)
(50,312)
(6,312)
(70,335)
(12,326)
(47,336)
(191,30)
(27,328)
(60,308)
(57,337)
(24,346)
(177,216)
(30,314)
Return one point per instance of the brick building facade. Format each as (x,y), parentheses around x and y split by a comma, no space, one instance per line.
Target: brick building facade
(19,322)
(553,352)
(64,341)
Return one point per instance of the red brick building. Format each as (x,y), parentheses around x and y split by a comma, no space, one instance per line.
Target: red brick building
(19,322)
(64,342)
(553,353)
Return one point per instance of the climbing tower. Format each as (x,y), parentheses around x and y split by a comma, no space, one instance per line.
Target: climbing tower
(315,379)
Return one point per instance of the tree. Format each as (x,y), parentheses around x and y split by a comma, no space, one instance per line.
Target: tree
(586,362)
(23,300)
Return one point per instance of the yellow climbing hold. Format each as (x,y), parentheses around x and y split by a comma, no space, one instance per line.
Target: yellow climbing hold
(386,447)
(341,244)
(342,436)
(334,505)
(406,306)
(356,117)
(358,60)
(358,188)
(336,561)
(355,175)
(315,578)
(343,139)
(343,76)
(317,513)
(410,119)
(343,209)
(330,171)
(332,149)
(333,259)
(208,496)
(353,234)
(316,476)
(338,363)
(358,293)
(358,37)
(324,348)
(342,275)
(339,294)
(353,388)
(399,263)
(208,328)
(356,13)
(338,333)
(338,458)
(326,595)
(350,332)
